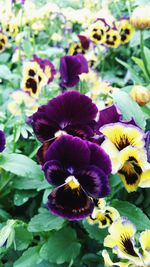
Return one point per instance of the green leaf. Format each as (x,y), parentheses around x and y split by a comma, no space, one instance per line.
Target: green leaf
(4,216)
(129,108)
(147,55)
(140,63)
(45,221)
(95,232)
(133,213)
(29,258)
(131,70)
(21,197)
(22,237)
(5,72)
(21,165)
(4,57)
(62,246)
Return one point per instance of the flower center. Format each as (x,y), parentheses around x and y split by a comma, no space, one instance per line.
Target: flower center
(59,133)
(72,182)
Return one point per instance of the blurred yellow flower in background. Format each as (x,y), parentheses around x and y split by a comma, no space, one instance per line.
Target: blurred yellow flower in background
(22,103)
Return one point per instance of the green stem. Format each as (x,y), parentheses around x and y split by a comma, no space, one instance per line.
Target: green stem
(143,53)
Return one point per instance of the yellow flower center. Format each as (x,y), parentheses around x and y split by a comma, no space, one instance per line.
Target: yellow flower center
(72,182)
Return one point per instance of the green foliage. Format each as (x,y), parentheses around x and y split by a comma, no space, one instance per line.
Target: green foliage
(30,235)
(45,221)
(29,258)
(133,213)
(62,246)
(129,108)
(95,232)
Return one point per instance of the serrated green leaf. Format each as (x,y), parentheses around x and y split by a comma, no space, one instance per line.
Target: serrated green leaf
(62,246)
(95,232)
(29,258)
(129,108)
(45,221)
(133,213)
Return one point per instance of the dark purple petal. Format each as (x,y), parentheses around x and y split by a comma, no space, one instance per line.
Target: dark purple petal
(79,130)
(70,204)
(94,181)
(72,152)
(42,151)
(131,121)
(99,158)
(85,42)
(43,128)
(54,172)
(64,111)
(46,63)
(109,115)
(147,145)
(70,69)
(2,141)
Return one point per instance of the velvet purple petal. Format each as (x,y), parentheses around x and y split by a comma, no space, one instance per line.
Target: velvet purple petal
(46,63)
(109,115)
(79,130)
(70,204)
(71,107)
(85,42)
(72,152)
(43,128)
(70,69)
(147,145)
(94,181)
(99,158)
(2,141)
(64,111)
(54,172)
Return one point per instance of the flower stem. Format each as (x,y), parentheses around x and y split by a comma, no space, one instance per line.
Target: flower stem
(143,54)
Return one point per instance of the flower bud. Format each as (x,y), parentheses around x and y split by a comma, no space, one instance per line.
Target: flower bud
(140,18)
(140,94)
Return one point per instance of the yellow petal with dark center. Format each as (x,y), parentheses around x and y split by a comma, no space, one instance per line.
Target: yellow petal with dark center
(133,162)
(123,135)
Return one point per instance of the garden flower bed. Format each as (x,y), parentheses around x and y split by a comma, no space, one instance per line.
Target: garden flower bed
(74,133)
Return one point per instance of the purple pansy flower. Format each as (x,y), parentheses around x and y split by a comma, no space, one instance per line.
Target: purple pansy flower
(70,112)
(79,171)
(47,67)
(70,69)
(2,141)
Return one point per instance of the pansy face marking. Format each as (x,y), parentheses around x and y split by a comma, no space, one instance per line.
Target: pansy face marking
(75,48)
(3,42)
(134,162)
(121,239)
(78,176)
(112,38)
(98,31)
(125,29)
